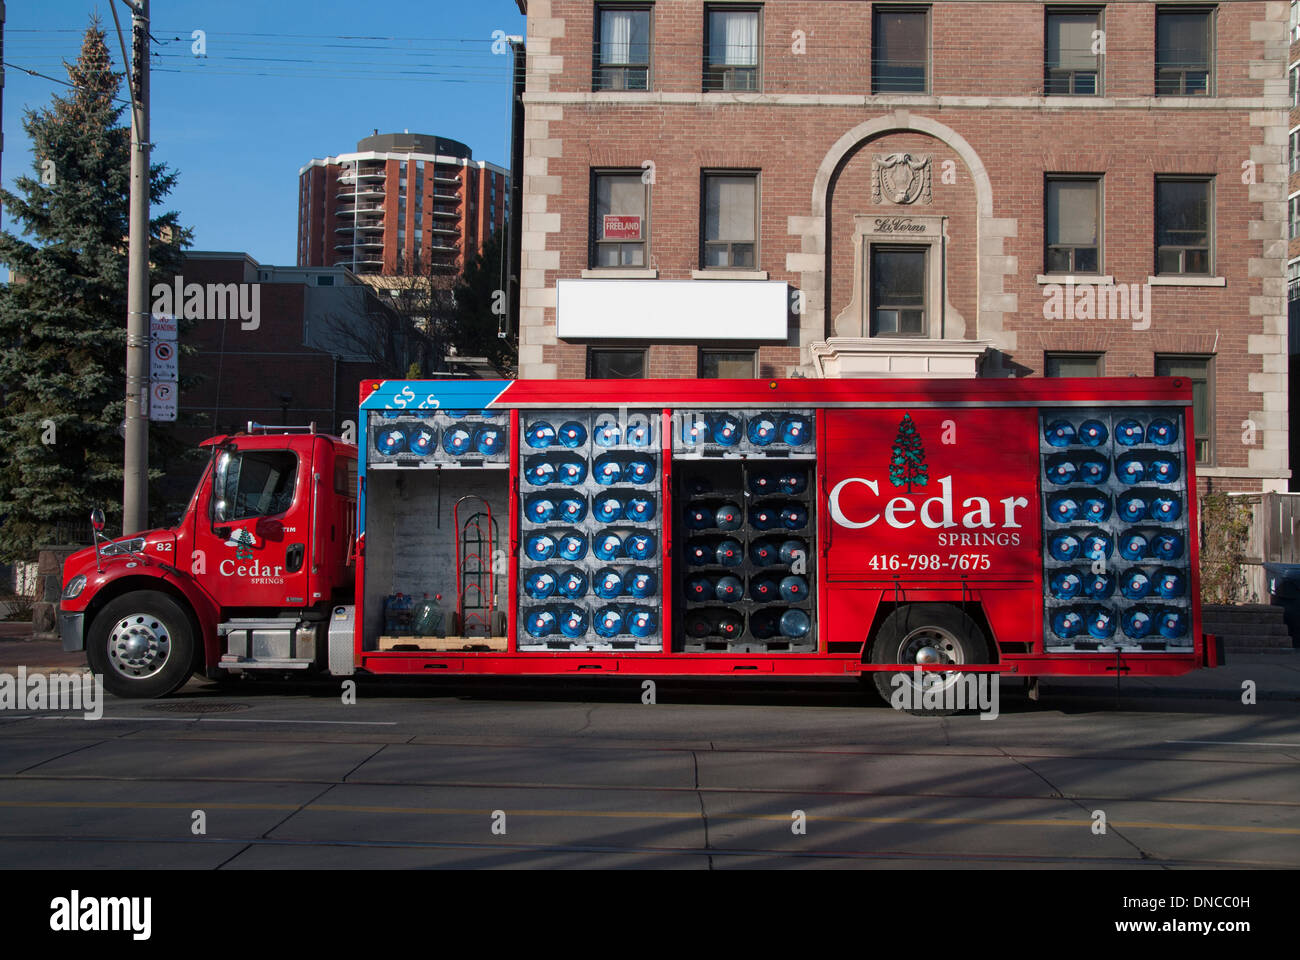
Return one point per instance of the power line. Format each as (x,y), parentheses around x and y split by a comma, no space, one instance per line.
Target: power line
(45,76)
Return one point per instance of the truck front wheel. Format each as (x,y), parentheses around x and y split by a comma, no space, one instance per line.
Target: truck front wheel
(919,633)
(142,645)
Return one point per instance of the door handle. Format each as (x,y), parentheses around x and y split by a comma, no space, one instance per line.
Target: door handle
(293,557)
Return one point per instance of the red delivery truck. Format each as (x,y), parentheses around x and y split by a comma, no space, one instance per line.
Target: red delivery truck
(657,528)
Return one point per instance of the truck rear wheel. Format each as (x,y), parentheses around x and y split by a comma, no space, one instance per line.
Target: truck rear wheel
(919,633)
(142,645)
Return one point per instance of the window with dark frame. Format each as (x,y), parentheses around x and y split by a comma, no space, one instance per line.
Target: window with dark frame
(1074,61)
(620,227)
(899,279)
(605,363)
(1200,371)
(1184,224)
(900,49)
(1072,365)
(728,364)
(1293,218)
(1184,51)
(1073,231)
(732,45)
(729,220)
(1294,140)
(622,54)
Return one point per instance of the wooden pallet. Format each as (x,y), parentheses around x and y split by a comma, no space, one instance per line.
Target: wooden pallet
(442,643)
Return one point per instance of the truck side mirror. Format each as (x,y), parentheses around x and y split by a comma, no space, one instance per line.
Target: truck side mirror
(97,520)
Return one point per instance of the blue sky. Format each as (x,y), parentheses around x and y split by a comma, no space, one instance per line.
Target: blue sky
(283,81)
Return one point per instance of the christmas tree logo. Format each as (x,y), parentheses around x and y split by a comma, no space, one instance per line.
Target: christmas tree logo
(907,466)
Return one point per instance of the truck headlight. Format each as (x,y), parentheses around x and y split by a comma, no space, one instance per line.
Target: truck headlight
(74,587)
(122,547)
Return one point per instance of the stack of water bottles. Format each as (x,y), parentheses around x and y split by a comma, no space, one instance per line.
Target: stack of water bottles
(745,568)
(590,524)
(438,437)
(782,433)
(1116,564)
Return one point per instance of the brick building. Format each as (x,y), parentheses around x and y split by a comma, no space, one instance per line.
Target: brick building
(961,188)
(399,201)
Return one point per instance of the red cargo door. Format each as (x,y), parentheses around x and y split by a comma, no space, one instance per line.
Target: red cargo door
(925,494)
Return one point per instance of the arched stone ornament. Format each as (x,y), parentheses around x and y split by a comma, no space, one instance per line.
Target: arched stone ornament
(900,178)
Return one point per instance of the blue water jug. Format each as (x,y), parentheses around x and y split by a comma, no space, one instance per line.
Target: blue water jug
(699,589)
(699,518)
(1136,585)
(573,509)
(764,624)
(791,550)
(572,546)
(764,517)
(762,482)
(1062,508)
(607,471)
(639,546)
(539,474)
(794,517)
(730,553)
(642,623)
(1064,547)
(1062,472)
(1169,584)
(574,623)
(539,435)
(795,431)
(763,553)
(1128,432)
(794,589)
(729,626)
(642,584)
(1097,546)
(609,622)
(1130,471)
(422,440)
(540,623)
(727,517)
(640,433)
(729,589)
(1162,432)
(1094,471)
(1137,623)
(1059,433)
(540,584)
(607,546)
(694,431)
(390,441)
(607,434)
(573,584)
(1093,433)
(639,509)
(1067,624)
(540,509)
(1065,585)
(608,584)
(699,625)
(726,431)
(1133,507)
(795,623)
(1172,623)
(1133,546)
(1166,509)
(761,431)
(572,472)
(489,440)
(572,434)
(457,440)
(699,554)
(1163,470)
(764,589)
(639,471)
(1095,509)
(608,508)
(793,482)
(1098,586)
(1167,546)
(540,546)
(1101,623)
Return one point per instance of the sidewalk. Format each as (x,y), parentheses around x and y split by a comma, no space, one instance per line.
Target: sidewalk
(17,648)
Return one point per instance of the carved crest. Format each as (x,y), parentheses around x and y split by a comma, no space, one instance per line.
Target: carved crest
(900,178)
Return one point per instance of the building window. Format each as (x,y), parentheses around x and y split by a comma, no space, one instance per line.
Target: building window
(898,291)
(1073,225)
(1295,21)
(1295,151)
(729,237)
(324,280)
(608,364)
(1073,55)
(1072,365)
(728,364)
(620,227)
(1183,225)
(622,49)
(731,48)
(1184,51)
(899,49)
(1293,217)
(1199,370)
(1293,280)
(1294,75)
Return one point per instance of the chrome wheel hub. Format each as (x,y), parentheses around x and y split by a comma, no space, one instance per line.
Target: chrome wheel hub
(931,645)
(139,645)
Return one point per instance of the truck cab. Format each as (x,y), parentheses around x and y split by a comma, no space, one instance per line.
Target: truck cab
(245,581)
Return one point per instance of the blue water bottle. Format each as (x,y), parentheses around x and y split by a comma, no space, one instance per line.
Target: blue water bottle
(540,509)
(540,546)
(1137,623)
(1162,432)
(573,509)
(1133,546)
(390,441)
(1167,546)
(1163,470)
(607,546)
(642,584)
(457,440)
(608,508)
(1169,584)
(1094,471)
(1067,624)
(1136,585)
(642,623)
(1130,470)
(763,553)
(1166,508)
(1092,433)
(1128,432)
(1064,547)
(572,546)
(730,553)
(763,589)
(1133,507)
(573,584)
(794,624)
(794,589)
(540,623)
(421,440)
(607,471)
(727,517)
(608,584)
(1065,585)
(1101,623)
(761,431)
(639,546)
(1099,586)
(572,434)
(539,435)
(1171,623)
(489,440)
(795,431)
(1059,433)
(699,554)
(726,431)
(639,509)
(1062,508)
(699,589)
(640,433)
(1062,472)
(609,622)
(574,623)
(729,589)
(607,434)
(1095,509)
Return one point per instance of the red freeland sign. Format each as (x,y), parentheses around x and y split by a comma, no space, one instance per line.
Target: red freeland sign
(923,493)
(621,227)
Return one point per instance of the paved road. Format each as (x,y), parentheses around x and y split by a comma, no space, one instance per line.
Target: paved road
(525,773)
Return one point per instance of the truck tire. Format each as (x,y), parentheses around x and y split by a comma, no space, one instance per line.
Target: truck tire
(912,628)
(142,645)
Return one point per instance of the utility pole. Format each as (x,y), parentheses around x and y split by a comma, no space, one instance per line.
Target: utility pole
(135,472)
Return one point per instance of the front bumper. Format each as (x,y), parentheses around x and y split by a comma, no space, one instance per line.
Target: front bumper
(72,632)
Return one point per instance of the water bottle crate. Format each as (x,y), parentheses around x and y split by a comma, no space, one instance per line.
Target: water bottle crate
(434,439)
(585,623)
(747,646)
(704,434)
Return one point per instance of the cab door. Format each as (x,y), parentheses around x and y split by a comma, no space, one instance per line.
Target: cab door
(252,542)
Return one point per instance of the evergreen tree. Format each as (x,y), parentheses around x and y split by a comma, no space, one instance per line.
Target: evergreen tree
(476,317)
(63,312)
(907,466)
